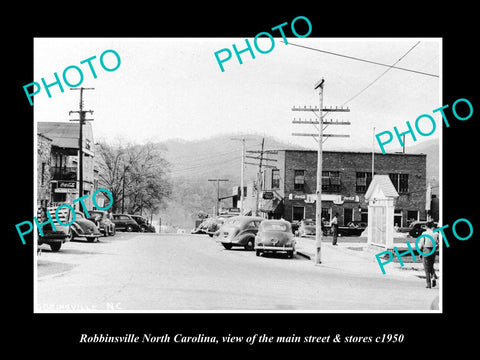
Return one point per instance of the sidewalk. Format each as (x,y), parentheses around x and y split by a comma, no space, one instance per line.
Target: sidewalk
(355,255)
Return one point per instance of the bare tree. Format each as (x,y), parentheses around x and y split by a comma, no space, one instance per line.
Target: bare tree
(136,175)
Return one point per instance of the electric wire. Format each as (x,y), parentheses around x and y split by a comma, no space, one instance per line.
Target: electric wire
(364,60)
(376,79)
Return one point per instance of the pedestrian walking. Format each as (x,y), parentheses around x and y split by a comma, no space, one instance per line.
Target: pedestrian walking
(426,246)
(334,226)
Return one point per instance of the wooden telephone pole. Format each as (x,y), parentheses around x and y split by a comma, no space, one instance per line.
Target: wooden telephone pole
(81,121)
(320,122)
(218,193)
(260,165)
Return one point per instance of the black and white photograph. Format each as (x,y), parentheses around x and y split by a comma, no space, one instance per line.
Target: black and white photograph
(198,173)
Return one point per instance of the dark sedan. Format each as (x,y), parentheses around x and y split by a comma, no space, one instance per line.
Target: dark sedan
(417,228)
(82,227)
(145,226)
(125,222)
(239,231)
(275,236)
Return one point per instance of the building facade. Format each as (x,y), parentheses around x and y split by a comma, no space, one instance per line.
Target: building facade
(62,185)
(291,186)
(44,148)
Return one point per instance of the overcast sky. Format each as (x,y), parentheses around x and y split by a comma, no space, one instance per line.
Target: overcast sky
(173,87)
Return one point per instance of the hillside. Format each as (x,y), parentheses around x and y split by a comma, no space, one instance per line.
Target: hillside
(193,163)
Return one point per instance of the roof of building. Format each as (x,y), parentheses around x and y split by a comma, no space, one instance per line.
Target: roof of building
(352,152)
(65,134)
(384,184)
(43,136)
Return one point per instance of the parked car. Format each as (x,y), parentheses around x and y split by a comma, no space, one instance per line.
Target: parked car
(275,236)
(103,220)
(144,224)
(210,225)
(214,226)
(201,227)
(125,222)
(353,228)
(239,231)
(306,227)
(418,227)
(295,226)
(62,233)
(82,227)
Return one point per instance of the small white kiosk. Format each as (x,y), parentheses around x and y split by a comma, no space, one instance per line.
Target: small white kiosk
(381,195)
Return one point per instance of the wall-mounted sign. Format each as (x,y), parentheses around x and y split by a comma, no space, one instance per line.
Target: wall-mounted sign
(65,190)
(67,184)
(297,196)
(268,195)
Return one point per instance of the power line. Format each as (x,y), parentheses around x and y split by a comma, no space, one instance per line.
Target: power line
(390,68)
(207,166)
(194,159)
(364,60)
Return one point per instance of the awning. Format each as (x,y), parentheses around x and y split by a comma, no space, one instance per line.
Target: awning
(268,205)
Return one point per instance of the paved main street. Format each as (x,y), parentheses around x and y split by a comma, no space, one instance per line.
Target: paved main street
(156,272)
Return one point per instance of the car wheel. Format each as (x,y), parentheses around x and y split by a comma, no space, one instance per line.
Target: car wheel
(250,244)
(91,239)
(290,254)
(55,246)
(258,252)
(227,246)
(129,228)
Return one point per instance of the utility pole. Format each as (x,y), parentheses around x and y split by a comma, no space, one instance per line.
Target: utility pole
(320,122)
(259,178)
(373,153)
(260,165)
(81,121)
(218,193)
(242,173)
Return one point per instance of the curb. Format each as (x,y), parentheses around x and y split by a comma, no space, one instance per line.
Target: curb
(303,254)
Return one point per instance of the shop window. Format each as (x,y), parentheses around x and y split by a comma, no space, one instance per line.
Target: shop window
(275,178)
(326,214)
(299,180)
(347,216)
(298,213)
(412,215)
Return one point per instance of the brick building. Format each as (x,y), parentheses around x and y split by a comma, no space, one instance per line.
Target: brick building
(291,186)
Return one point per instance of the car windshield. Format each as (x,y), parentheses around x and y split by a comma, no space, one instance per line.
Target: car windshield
(274,227)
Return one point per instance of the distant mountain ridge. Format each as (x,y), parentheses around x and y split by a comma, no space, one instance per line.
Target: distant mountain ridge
(222,154)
